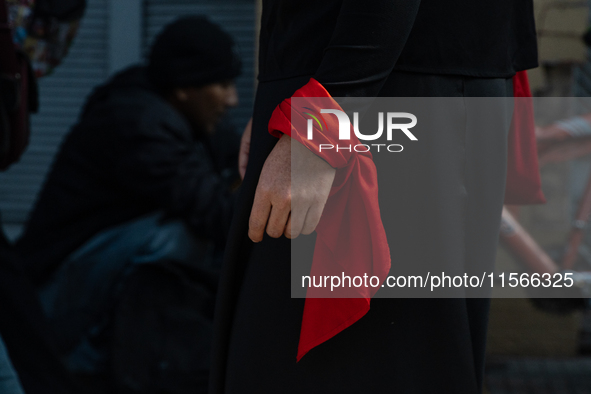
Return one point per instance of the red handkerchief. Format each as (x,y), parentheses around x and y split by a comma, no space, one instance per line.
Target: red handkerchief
(351,240)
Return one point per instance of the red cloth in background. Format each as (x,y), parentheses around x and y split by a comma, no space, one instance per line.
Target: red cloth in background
(350,236)
(523,172)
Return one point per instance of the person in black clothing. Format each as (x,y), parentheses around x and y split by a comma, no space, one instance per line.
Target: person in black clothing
(141,178)
(449,194)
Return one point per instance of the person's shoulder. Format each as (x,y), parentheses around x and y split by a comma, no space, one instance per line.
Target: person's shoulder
(129,104)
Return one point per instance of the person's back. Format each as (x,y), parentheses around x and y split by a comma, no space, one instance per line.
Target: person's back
(346,48)
(123,159)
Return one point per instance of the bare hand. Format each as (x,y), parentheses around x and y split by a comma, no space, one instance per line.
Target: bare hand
(282,207)
(244,149)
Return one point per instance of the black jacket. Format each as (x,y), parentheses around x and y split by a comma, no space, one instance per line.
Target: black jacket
(351,46)
(130,154)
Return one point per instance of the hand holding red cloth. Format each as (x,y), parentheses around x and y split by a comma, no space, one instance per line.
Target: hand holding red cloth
(350,235)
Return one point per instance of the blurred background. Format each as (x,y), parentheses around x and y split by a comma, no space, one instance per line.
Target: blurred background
(112,35)
(546,347)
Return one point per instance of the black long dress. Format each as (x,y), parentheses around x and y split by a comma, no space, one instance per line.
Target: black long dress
(453,198)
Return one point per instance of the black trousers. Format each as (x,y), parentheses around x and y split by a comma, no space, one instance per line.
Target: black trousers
(449,194)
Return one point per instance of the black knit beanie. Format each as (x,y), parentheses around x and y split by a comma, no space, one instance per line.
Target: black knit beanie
(192,51)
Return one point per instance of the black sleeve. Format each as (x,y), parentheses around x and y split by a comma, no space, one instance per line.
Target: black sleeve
(177,174)
(367,40)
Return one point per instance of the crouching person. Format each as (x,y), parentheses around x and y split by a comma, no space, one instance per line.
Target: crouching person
(123,240)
